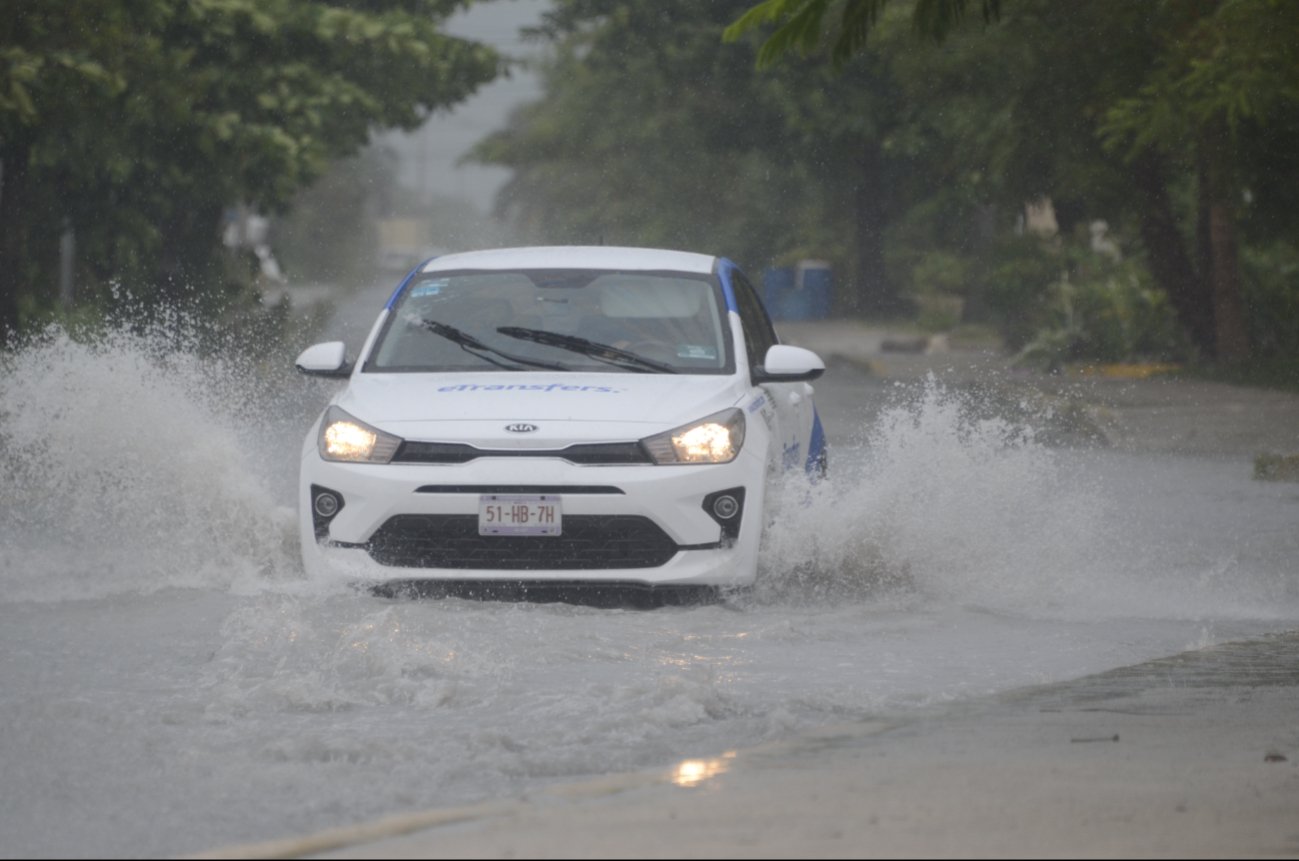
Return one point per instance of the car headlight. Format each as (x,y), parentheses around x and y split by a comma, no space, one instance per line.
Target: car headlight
(715,439)
(346,438)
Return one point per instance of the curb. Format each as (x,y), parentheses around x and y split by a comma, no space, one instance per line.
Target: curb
(687,774)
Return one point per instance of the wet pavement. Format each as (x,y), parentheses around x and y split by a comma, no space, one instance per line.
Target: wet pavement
(1193,755)
(1126,407)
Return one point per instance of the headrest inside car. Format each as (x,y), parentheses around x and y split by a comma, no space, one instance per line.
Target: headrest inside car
(651,297)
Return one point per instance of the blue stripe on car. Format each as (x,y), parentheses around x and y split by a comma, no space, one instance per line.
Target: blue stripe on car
(724,270)
(396,294)
(816,444)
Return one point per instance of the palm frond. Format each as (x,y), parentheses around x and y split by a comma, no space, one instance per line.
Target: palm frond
(802,32)
(859,16)
(763,13)
(937,18)
(800,24)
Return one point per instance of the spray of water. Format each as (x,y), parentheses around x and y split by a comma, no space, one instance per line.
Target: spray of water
(946,502)
(952,501)
(132,461)
(138,460)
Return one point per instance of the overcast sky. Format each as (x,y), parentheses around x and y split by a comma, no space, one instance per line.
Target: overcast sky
(428,156)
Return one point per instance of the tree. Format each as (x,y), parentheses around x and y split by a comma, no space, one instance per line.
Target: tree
(1160,96)
(136,122)
(646,132)
(1227,72)
(801,24)
(649,132)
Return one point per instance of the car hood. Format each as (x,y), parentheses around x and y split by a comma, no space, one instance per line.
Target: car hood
(563,407)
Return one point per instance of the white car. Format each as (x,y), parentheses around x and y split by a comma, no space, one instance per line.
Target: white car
(528,420)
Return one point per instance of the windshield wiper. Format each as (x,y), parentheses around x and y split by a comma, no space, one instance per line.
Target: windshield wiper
(604,352)
(475,347)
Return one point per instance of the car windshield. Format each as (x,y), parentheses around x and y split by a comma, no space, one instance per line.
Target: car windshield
(569,320)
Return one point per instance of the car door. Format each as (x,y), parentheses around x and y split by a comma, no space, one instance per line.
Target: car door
(794,414)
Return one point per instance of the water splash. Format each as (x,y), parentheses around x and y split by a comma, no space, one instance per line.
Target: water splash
(951,501)
(130,461)
(279,655)
(138,460)
(947,502)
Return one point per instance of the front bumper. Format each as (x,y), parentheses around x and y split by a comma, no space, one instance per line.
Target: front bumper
(632,524)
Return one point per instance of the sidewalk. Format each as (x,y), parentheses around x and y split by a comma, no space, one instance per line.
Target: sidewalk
(1155,413)
(1196,755)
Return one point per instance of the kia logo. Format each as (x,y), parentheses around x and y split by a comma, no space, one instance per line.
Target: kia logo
(520,427)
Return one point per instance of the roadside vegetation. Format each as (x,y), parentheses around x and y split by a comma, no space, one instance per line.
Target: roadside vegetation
(137,135)
(1096,182)
(1103,182)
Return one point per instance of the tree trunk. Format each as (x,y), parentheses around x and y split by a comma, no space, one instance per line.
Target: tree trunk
(1171,266)
(875,295)
(1218,243)
(13,169)
(1230,335)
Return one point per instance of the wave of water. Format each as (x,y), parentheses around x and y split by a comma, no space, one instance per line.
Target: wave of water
(137,461)
(133,462)
(948,501)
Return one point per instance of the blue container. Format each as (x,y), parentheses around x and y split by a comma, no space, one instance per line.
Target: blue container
(777,285)
(816,283)
(797,305)
(803,292)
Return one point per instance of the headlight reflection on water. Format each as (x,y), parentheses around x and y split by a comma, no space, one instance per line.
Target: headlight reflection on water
(693,772)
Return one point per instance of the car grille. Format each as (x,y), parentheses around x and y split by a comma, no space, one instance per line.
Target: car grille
(586,454)
(589,542)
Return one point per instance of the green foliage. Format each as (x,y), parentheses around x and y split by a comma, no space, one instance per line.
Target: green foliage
(139,121)
(1014,277)
(938,283)
(1271,275)
(801,24)
(650,132)
(1236,61)
(940,272)
(1148,115)
(1102,312)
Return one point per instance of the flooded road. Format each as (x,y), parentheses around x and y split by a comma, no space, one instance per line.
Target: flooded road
(170,682)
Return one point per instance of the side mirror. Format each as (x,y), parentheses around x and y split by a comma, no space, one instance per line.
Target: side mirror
(325,360)
(785,363)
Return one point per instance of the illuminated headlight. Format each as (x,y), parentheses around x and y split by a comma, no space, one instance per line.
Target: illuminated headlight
(715,439)
(348,439)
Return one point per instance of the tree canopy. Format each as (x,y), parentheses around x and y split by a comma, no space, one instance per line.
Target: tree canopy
(135,123)
(1187,92)
(903,139)
(801,24)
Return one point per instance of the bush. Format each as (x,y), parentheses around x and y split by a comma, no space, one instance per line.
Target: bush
(1056,301)
(1010,283)
(938,282)
(1270,286)
(1107,316)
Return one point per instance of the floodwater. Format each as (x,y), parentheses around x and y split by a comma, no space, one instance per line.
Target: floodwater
(171,683)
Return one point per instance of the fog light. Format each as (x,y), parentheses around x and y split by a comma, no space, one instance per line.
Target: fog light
(326,504)
(726,507)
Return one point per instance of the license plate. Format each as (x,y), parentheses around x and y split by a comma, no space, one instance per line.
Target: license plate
(514,514)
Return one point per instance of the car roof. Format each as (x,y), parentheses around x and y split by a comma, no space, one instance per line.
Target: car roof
(575,257)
